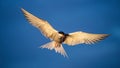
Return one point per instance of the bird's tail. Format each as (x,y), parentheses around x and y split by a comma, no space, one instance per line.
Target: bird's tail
(56,46)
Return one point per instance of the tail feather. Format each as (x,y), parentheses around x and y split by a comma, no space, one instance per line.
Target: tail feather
(51,46)
(61,51)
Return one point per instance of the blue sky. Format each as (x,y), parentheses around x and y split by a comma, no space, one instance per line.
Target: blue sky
(19,41)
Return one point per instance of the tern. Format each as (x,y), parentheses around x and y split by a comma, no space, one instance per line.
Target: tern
(59,37)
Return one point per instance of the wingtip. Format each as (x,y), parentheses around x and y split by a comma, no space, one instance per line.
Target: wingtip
(23,9)
(106,35)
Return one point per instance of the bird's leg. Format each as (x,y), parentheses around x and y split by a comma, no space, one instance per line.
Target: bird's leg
(57,44)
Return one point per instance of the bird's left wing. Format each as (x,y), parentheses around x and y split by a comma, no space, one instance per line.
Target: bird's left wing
(46,29)
(83,37)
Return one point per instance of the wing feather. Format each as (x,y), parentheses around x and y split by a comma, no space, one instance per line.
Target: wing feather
(83,37)
(46,29)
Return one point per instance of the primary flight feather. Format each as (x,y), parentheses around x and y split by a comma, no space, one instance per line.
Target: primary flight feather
(59,37)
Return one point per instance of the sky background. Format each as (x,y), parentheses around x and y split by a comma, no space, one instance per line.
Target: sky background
(19,40)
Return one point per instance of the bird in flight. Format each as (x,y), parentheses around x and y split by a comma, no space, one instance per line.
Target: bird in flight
(59,37)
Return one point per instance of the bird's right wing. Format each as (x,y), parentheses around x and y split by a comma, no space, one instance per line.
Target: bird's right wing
(83,37)
(46,29)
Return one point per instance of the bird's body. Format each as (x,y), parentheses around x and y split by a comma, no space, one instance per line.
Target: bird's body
(59,37)
(63,36)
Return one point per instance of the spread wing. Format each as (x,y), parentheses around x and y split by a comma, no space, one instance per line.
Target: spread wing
(82,37)
(46,29)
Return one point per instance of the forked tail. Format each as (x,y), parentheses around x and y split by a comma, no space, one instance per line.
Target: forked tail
(52,45)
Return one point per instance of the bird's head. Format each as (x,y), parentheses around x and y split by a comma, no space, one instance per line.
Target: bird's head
(61,32)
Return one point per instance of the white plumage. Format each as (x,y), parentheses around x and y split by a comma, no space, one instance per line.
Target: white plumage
(60,37)
(82,37)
